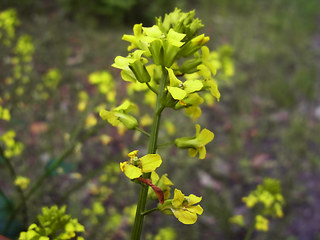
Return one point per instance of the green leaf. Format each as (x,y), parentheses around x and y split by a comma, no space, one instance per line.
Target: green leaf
(62,168)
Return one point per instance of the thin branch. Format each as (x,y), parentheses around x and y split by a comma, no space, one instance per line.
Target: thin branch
(142,131)
(18,190)
(151,88)
(149,211)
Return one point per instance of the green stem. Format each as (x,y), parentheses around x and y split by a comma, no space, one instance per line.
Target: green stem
(250,231)
(151,88)
(67,152)
(142,131)
(22,197)
(152,148)
(149,211)
(165,144)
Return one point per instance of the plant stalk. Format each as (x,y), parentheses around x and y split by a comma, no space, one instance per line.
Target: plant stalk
(250,231)
(152,148)
(18,189)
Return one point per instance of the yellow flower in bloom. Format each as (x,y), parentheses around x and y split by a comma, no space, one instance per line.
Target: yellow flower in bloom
(183,207)
(90,121)
(135,167)
(238,220)
(269,195)
(262,224)
(22,182)
(4,114)
(105,139)
(196,144)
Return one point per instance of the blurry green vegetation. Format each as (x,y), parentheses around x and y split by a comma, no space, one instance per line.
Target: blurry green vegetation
(265,125)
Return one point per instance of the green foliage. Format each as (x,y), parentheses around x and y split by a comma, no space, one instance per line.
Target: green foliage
(116,12)
(54,223)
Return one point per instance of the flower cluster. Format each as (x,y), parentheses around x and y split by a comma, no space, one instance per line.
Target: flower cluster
(267,200)
(22,182)
(268,195)
(183,207)
(12,147)
(54,223)
(170,63)
(135,167)
(165,45)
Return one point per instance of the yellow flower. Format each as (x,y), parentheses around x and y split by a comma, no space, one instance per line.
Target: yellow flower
(183,207)
(262,224)
(22,182)
(135,167)
(180,90)
(119,115)
(196,144)
(238,220)
(90,121)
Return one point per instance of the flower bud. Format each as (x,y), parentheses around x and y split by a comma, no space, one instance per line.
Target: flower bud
(127,120)
(156,52)
(140,71)
(190,66)
(186,142)
(194,45)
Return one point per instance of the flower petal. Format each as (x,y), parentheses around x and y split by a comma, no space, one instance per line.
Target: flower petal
(192,86)
(150,162)
(123,166)
(193,199)
(178,198)
(174,81)
(192,152)
(205,137)
(185,216)
(153,31)
(132,171)
(177,93)
(154,177)
(133,154)
(196,209)
(110,117)
(174,38)
(202,152)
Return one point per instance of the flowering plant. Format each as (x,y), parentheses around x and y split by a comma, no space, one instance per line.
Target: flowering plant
(171,62)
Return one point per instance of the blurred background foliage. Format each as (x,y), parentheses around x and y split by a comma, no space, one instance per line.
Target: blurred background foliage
(267,123)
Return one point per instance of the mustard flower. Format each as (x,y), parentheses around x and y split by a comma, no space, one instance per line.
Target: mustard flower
(178,89)
(262,224)
(183,207)
(135,167)
(120,115)
(22,182)
(196,144)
